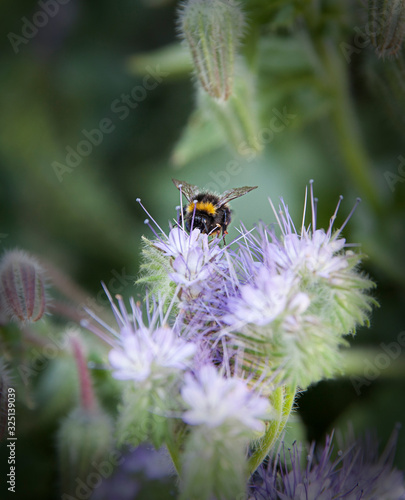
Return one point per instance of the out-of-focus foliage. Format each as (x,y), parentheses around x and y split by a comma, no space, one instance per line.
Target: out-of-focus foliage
(328,108)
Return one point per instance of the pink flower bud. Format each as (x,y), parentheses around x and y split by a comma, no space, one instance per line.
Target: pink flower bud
(22,286)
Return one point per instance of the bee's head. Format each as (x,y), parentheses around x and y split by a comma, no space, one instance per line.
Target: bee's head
(200,221)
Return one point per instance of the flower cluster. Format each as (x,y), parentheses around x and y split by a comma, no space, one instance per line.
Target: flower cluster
(357,472)
(168,374)
(282,304)
(297,295)
(214,369)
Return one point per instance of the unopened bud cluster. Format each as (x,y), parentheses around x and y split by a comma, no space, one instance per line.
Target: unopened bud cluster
(22,287)
(212,30)
(226,93)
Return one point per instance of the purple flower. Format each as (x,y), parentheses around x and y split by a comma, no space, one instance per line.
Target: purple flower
(142,352)
(290,299)
(179,242)
(214,401)
(196,263)
(357,472)
(267,298)
(149,353)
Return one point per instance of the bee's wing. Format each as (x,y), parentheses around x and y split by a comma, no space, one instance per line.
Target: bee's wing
(231,194)
(189,190)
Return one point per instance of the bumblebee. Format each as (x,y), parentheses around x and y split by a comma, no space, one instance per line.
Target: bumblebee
(206,211)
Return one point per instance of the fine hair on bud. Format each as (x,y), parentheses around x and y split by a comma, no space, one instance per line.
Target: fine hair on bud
(22,287)
(212,30)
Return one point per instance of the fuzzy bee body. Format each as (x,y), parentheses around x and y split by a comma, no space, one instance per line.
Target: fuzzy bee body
(206,211)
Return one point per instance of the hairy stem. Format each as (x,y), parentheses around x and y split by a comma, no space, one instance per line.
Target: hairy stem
(283,400)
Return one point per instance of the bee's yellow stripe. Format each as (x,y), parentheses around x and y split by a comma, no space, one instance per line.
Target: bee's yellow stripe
(205,206)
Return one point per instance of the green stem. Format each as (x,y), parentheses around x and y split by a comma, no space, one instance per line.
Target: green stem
(359,362)
(345,122)
(174,455)
(283,400)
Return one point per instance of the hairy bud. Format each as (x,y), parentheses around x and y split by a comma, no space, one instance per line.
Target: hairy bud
(84,441)
(22,286)
(212,30)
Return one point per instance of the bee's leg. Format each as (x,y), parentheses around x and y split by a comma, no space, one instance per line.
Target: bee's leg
(225,223)
(206,227)
(216,230)
(224,232)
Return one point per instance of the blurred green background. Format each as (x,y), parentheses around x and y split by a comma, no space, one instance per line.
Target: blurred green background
(67,76)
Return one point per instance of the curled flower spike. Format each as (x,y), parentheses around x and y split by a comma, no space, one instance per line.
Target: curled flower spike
(294,297)
(357,473)
(212,30)
(22,286)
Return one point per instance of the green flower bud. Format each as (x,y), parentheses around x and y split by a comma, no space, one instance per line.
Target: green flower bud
(388,20)
(22,287)
(85,436)
(84,442)
(141,418)
(212,30)
(224,473)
